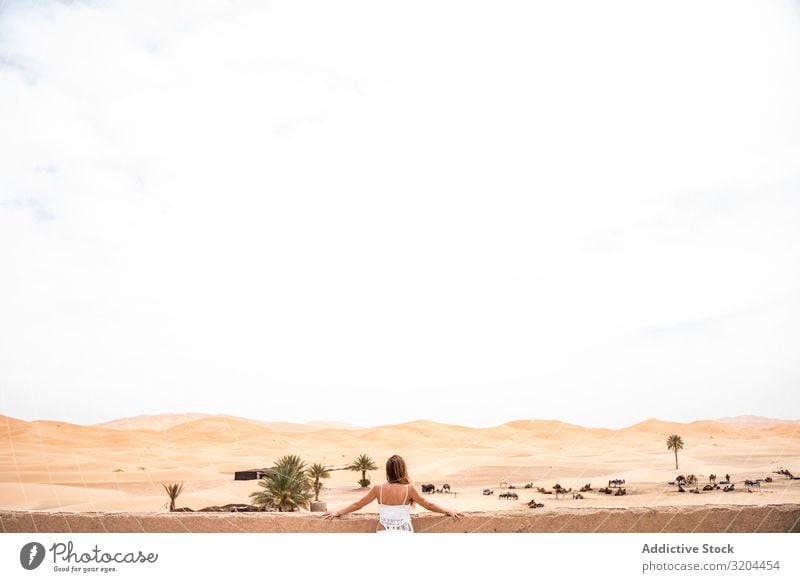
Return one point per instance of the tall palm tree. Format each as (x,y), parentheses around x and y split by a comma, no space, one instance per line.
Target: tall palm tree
(317,472)
(674,443)
(363,463)
(263,498)
(290,464)
(173,490)
(286,486)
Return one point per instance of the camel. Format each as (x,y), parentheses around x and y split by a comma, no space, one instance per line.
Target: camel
(784,472)
(559,490)
(621,491)
(712,478)
(616,482)
(428,488)
(446,487)
(754,484)
(508,496)
(533,505)
(708,488)
(488,492)
(587,487)
(577,496)
(529,486)
(606,490)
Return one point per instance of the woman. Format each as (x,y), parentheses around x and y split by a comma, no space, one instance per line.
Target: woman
(395,498)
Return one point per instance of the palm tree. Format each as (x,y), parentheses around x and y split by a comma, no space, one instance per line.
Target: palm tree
(290,464)
(674,443)
(363,463)
(173,490)
(286,486)
(263,498)
(317,472)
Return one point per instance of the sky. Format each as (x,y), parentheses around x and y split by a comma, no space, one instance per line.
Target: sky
(368,212)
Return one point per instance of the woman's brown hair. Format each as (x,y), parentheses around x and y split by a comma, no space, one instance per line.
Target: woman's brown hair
(396,470)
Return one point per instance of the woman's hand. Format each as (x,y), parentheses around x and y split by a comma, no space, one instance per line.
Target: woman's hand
(330,514)
(455,515)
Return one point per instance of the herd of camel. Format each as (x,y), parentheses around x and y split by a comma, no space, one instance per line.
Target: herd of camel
(682,482)
(615,487)
(557,490)
(431,488)
(616,484)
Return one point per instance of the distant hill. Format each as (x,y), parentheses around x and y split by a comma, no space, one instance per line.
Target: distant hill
(751,420)
(152,421)
(162,422)
(321,424)
(167,421)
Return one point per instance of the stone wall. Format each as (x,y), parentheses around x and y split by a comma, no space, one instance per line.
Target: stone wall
(698,519)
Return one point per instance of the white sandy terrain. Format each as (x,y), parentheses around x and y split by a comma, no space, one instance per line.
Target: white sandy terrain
(121,465)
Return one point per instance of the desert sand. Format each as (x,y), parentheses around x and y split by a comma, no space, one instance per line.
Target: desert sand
(119,467)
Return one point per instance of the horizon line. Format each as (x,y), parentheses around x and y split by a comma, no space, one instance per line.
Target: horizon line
(742,418)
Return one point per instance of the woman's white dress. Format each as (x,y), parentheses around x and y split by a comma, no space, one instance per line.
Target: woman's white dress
(395,518)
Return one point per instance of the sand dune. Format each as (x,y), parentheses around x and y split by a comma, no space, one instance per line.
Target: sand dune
(151,421)
(121,465)
(320,424)
(750,420)
(160,422)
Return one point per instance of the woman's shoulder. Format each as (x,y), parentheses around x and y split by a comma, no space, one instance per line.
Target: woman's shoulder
(405,487)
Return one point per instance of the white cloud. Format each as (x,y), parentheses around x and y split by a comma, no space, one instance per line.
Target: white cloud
(206,206)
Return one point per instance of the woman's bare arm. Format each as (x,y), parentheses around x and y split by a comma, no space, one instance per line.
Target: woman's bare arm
(372,494)
(430,506)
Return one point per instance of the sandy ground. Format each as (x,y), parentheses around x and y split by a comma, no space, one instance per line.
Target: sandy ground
(120,466)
